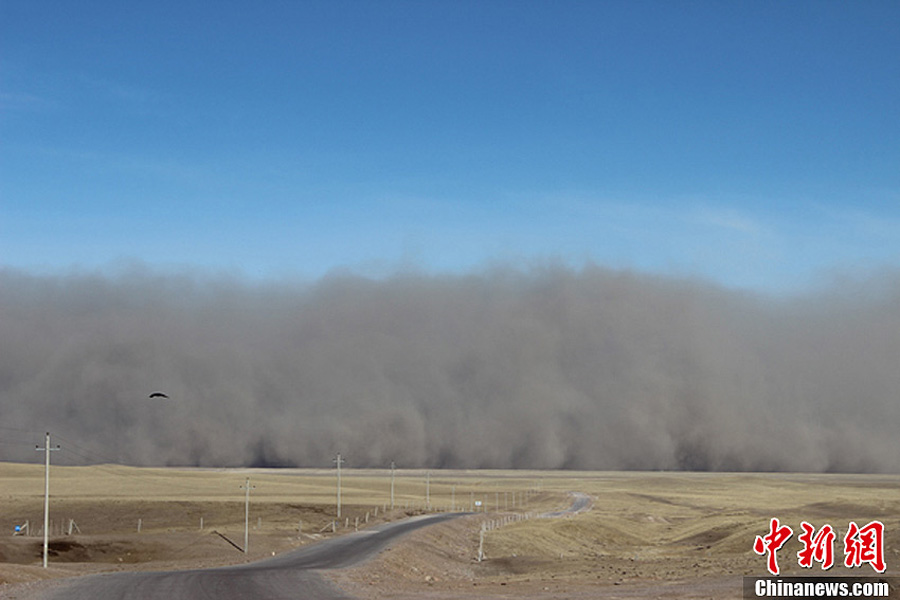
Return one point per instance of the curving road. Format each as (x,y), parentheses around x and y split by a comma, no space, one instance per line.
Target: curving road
(291,575)
(581,502)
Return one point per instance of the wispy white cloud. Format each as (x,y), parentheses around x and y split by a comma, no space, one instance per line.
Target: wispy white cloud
(865,222)
(10,101)
(728,219)
(119,91)
(148,166)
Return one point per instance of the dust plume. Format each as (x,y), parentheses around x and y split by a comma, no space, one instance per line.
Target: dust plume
(548,367)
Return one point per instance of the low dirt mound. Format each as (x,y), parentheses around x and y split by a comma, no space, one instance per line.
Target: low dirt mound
(74,550)
(66,550)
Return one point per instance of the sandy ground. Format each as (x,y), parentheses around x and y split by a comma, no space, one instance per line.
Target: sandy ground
(432,564)
(647,535)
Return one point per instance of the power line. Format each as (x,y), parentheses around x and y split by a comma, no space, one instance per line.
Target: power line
(31,431)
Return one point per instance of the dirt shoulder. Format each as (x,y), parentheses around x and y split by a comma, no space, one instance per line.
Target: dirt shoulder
(440,563)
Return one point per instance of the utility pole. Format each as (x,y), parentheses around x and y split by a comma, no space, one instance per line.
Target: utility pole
(338,461)
(47,449)
(393,466)
(247,487)
(428,490)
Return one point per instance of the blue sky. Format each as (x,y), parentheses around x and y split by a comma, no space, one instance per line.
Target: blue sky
(756,144)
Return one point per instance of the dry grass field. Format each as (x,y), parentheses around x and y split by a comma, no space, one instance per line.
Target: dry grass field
(646,535)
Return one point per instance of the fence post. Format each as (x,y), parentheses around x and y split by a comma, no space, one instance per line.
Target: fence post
(481,544)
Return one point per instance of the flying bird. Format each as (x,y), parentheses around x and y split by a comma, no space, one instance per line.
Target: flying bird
(158,395)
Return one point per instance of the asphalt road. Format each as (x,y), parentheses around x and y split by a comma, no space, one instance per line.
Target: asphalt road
(291,575)
(580,503)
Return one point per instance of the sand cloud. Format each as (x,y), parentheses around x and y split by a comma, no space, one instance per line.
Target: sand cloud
(550,367)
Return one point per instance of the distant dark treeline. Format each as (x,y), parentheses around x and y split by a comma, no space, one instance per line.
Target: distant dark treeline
(550,368)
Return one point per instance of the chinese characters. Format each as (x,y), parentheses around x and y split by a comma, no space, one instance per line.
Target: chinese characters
(861,545)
